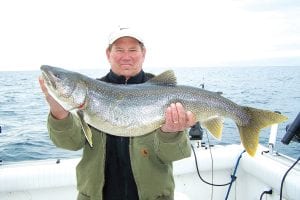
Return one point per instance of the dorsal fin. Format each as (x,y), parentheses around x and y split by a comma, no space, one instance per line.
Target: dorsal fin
(165,78)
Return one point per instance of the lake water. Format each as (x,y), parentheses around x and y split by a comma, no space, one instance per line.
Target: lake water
(23,110)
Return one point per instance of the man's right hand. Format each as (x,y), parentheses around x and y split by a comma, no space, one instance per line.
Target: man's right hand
(56,109)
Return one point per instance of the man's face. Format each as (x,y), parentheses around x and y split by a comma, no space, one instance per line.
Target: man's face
(126,57)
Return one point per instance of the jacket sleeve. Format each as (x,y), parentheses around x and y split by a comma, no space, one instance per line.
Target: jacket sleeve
(172,146)
(66,133)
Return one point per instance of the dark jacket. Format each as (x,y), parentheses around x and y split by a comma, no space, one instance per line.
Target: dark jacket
(118,172)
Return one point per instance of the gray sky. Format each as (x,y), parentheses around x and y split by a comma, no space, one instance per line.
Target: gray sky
(195,33)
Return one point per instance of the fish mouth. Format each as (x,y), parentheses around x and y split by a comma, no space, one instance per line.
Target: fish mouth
(48,78)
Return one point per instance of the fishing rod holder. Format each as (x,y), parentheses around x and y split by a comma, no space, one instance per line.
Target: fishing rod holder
(272,138)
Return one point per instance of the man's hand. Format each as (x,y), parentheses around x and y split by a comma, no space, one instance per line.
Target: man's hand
(56,109)
(177,119)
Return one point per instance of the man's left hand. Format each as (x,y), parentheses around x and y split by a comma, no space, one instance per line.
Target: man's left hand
(177,119)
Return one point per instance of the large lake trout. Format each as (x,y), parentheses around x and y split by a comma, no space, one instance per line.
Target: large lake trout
(135,110)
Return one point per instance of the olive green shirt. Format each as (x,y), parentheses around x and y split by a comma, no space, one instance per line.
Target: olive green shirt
(151,158)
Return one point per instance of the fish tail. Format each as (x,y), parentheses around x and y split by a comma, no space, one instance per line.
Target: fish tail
(258,119)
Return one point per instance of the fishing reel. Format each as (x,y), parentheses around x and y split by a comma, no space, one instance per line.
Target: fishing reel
(196,132)
(292,131)
(196,135)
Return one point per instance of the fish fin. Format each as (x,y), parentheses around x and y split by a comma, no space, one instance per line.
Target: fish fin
(166,78)
(86,129)
(259,119)
(214,126)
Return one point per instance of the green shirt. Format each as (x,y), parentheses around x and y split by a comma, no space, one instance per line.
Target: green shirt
(151,158)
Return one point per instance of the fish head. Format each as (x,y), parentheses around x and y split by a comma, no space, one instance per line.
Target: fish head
(66,87)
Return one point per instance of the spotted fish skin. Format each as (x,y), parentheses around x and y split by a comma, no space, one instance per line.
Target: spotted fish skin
(138,109)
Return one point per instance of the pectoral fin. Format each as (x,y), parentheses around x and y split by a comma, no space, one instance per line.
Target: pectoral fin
(214,126)
(86,129)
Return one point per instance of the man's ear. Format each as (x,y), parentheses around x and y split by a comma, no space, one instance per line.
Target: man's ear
(107,53)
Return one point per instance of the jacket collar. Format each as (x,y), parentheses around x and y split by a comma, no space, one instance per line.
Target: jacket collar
(114,78)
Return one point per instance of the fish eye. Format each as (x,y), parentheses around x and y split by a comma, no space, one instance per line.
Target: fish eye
(58,76)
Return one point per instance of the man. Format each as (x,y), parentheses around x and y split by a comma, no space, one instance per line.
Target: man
(124,168)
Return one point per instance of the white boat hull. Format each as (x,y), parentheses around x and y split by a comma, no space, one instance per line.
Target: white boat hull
(46,179)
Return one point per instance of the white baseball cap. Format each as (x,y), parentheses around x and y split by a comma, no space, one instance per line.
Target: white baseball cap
(124,32)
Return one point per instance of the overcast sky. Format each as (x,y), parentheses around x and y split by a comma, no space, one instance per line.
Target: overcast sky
(189,33)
